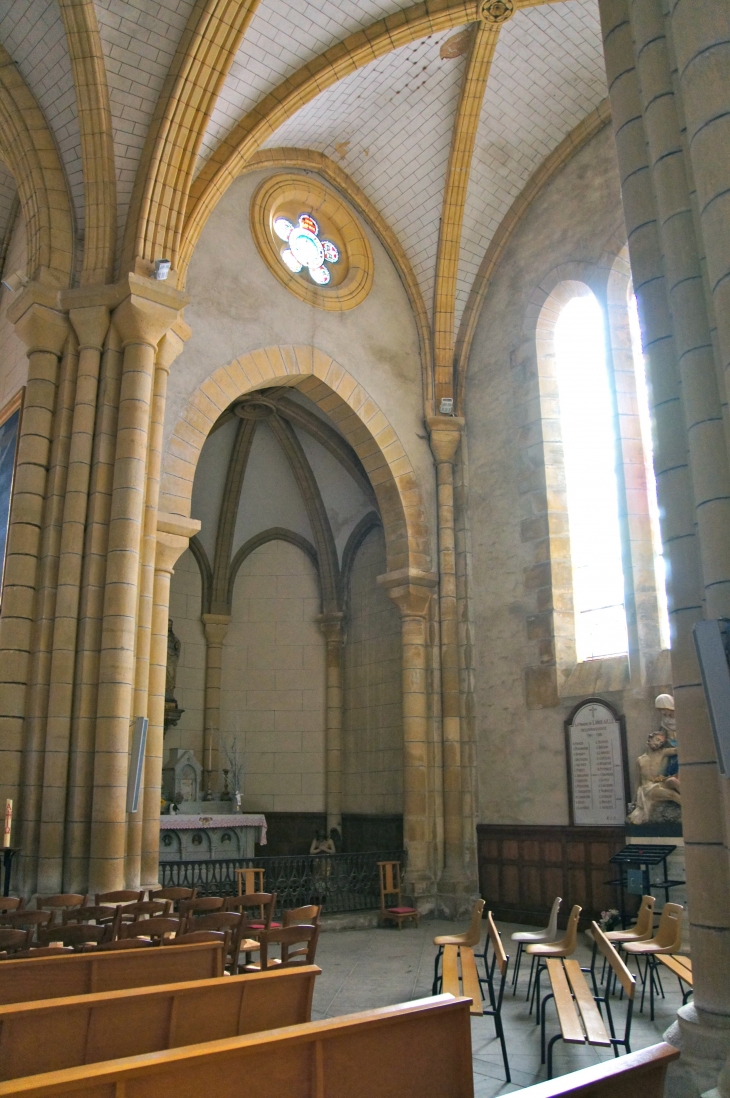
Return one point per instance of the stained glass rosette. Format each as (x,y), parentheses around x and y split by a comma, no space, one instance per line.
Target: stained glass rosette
(305,248)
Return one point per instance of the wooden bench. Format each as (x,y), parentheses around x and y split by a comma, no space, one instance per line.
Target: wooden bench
(52,1034)
(460,971)
(682,968)
(85,973)
(577,1005)
(638,1075)
(420,1049)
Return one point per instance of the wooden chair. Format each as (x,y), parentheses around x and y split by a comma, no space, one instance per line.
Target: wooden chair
(301,916)
(174,894)
(60,903)
(421,1048)
(390,886)
(155,929)
(76,935)
(13,941)
(43,951)
(682,969)
(250,880)
(11,903)
(638,1075)
(285,938)
(146,909)
(541,951)
(257,909)
(195,937)
(230,922)
(668,940)
(532,937)
(500,962)
(201,905)
(126,943)
(27,920)
(469,937)
(96,915)
(119,896)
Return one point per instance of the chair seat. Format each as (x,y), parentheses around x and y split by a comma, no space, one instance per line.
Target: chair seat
(262,926)
(527,936)
(639,948)
(549,949)
(401,910)
(625,936)
(250,945)
(449,939)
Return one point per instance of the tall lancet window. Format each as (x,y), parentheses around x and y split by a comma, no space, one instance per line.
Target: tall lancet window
(642,397)
(589,448)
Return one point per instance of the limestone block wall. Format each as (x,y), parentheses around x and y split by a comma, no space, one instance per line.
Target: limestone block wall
(185,592)
(13,358)
(573,228)
(273,681)
(373,738)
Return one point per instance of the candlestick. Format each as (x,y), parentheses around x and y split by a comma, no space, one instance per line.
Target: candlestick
(8,822)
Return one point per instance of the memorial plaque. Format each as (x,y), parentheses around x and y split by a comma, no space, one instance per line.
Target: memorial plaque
(596,749)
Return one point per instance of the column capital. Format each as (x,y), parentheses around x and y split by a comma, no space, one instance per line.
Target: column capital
(146,310)
(410,589)
(172,343)
(91,323)
(40,326)
(173,537)
(331,626)
(216,627)
(445,436)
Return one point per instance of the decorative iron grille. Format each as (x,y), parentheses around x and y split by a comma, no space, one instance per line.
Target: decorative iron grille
(339,882)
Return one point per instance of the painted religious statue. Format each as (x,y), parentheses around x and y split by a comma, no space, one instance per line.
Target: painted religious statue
(658,797)
(173,713)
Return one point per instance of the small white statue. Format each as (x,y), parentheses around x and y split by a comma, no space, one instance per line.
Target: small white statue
(658,769)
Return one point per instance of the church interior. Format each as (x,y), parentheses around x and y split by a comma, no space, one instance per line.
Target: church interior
(365,547)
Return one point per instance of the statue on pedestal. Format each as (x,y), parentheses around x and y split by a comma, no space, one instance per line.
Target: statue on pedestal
(658,798)
(172,711)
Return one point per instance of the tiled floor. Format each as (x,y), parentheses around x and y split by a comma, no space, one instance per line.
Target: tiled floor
(362,969)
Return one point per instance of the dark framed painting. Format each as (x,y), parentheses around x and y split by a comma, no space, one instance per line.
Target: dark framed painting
(10,418)
(597,759)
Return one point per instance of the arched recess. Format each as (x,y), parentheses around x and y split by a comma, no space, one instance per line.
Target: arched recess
(345,402)
(28,149)
(274,533)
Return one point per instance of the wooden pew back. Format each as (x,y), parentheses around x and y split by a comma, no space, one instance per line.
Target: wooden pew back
(52,1034)
(86,973)
(420,1049)
(637,1075)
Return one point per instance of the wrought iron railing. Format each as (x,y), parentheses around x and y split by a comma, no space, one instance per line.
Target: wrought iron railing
(339,882)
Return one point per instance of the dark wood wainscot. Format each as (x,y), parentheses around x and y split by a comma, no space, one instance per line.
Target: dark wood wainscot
(522,869)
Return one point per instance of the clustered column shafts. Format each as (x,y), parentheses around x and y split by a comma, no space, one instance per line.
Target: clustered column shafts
(216,628)
(445,433)
(675,328)
(141,323)
(411,592)
(331,626)
(91,324)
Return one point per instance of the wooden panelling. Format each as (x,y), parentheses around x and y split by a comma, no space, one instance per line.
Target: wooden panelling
(522,869)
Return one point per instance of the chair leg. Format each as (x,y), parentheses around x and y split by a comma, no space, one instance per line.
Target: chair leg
(500,1034)
(518,962)
(529,982)
(550,1054)
(435,985)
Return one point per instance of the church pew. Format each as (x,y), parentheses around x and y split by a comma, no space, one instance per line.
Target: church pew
(637,1075)
(51,1034)
(85,973)
(420,1049)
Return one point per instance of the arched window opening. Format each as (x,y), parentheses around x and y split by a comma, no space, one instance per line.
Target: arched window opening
(642,396)
(589,448)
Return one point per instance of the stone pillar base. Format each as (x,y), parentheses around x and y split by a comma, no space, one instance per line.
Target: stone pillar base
(704,1042)
(420,892)
(456,896)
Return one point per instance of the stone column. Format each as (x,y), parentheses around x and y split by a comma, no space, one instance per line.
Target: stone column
(168,349)
(445,433)
(411,591)
(172,539)
(44,330)
(141,319)
(216,627)
(90,323)
(331,626)
(702,813)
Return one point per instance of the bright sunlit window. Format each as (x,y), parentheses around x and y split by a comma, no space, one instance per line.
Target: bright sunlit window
(642,394)
(586,418)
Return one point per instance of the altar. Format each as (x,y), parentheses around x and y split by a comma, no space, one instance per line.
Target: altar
(188,836)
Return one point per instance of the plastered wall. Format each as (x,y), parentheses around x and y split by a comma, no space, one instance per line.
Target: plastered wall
(185,591)
(373,737)
(521,750)
(273,685)
(13,360)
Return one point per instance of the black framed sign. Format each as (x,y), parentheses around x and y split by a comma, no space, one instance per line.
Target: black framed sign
(595,744)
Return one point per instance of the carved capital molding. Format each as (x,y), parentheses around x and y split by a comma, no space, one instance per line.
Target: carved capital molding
(173,537)
(147,310)
(331,626)
(410,590)
(91,323)
(445,436)
(38,320)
